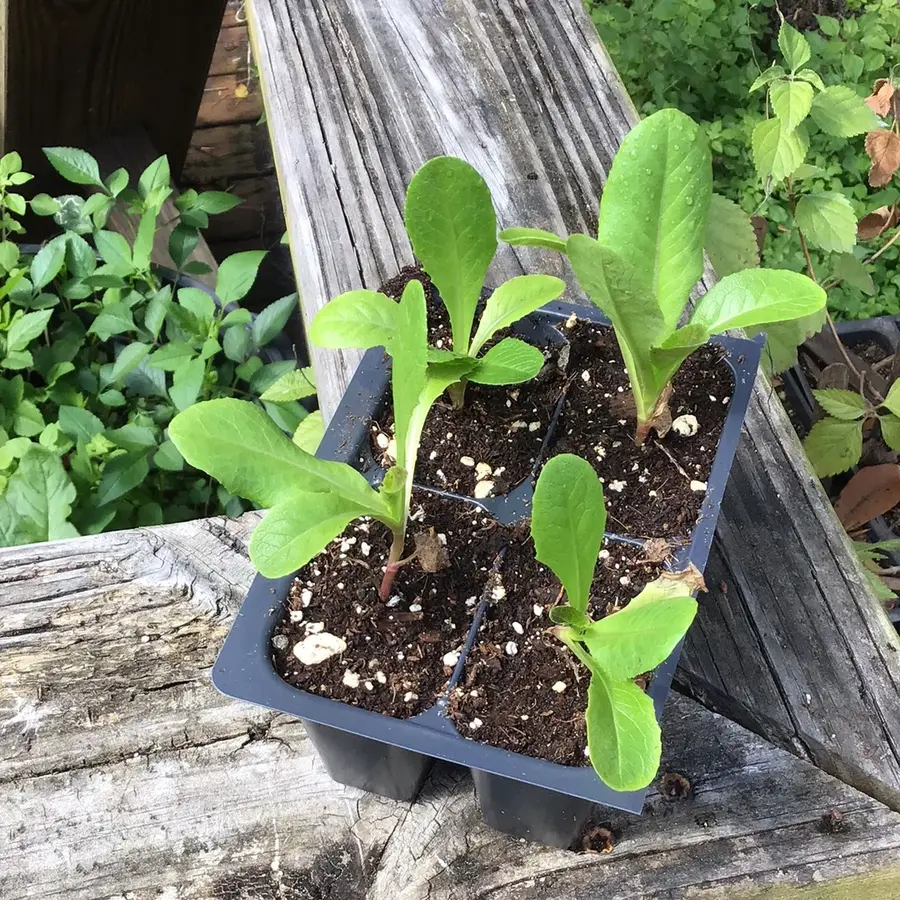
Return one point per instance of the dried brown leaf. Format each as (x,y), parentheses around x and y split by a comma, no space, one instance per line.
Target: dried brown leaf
(760,228)
(873,224)
(883,148)
(880,99)
(870,493)
(431,553)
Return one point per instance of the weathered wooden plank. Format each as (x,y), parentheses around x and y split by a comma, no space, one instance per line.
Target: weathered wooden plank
(222,153)
(78,72)
(224,101)
(232,53)
(125,773)
(361,93)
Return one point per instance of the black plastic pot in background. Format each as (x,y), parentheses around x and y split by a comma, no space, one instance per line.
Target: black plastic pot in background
(518,794)
(883,331)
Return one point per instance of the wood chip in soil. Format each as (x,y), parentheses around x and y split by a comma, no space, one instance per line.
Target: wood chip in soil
(507,699)
(395,651)
(649,492)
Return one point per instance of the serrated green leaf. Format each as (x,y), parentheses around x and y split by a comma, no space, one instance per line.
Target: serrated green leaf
(237,317)
(182,242)
(655,205)
(827,220)
(9,255)
(74,165)
(840,111)
(833,446)
(509,362)
(794,47)
(80,257)
(730,240)
(25,328)
(217,202)
(122,474)
(298,529)
(287,416)
(805,170)
(114,319)
(293,386)
(356,320)
(27,420)
(756,296)
(112,399)
(17,360)
(773,73)
(453,229)
(791,101)
(172,356)
(44,205)
(168,457)
(117,182)
(624,739)
(852,271)
(48,262)
(272,320)
(777,150)
(79,424)
(237,274)
(237,344)
(41,492)
(129,358)
(155,177)
(811,77)
(133,438)
(890,431)
(568,520)
(115,252)
(265,376)
(242,448)
(142,250)
(847,405)
(892,400)
(512,301)
(157,308)
(199,303)
(309,432)
(533,237)
(187,382)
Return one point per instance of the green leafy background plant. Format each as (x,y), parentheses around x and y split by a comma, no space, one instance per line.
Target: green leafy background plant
(701,56)
(98,352)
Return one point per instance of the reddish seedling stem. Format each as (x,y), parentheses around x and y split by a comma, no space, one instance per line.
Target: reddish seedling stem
(395,563)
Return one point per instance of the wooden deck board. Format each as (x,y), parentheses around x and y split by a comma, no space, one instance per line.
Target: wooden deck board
(125,774)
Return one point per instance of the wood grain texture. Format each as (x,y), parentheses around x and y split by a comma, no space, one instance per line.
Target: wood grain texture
(125,774)
(78,72)
(359,94)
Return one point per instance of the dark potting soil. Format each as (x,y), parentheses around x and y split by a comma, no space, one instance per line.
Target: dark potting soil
(656,490)
(492,443)
(394,661)
(522,689)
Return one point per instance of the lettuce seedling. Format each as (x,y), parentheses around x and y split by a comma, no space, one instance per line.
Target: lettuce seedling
(310,500)
(649,254)
(453,229)
(567,525)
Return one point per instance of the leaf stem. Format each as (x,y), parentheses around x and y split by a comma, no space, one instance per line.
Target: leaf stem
(394,564)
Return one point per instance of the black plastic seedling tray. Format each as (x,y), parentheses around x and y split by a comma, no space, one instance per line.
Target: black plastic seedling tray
(518,794)
(885,332)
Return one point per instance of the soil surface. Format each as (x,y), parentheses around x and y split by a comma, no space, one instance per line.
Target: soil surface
(495,439)
(522,689)
(656,490)
(394,661)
